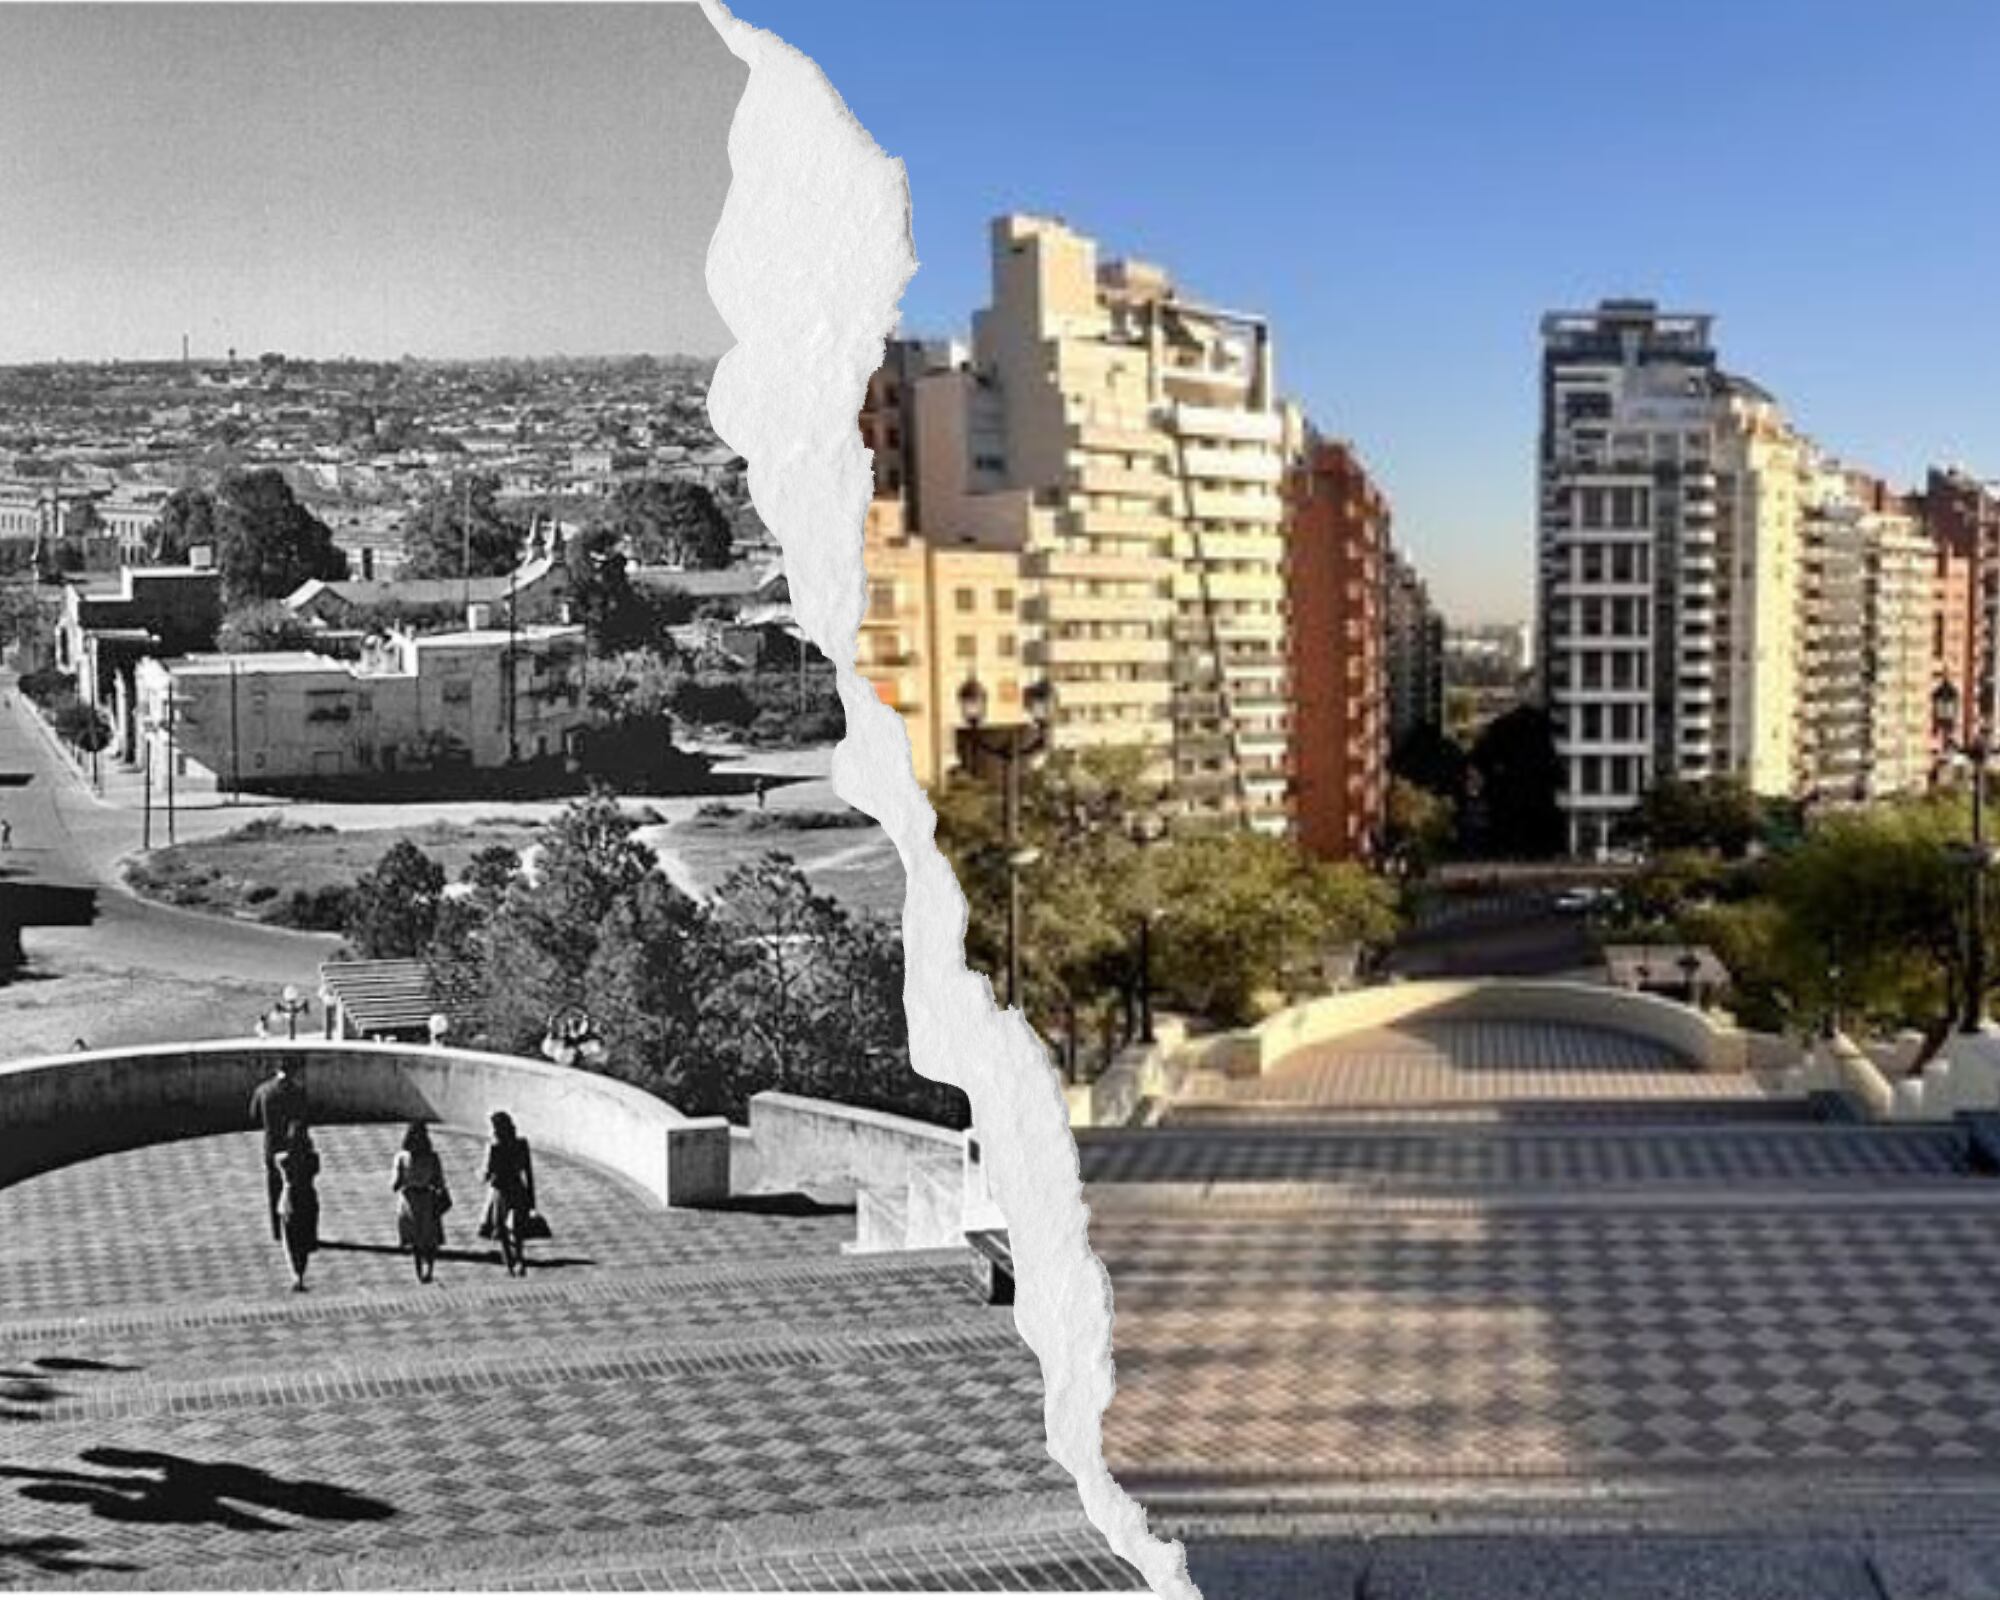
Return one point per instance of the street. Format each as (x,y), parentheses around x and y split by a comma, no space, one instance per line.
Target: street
(62,834)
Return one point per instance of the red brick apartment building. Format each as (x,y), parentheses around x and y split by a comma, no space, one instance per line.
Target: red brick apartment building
(1337,543)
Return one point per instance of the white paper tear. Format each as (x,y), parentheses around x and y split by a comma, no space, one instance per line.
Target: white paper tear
(809,259)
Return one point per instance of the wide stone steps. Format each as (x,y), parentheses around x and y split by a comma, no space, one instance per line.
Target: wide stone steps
(1221,1112)
(1585,1156)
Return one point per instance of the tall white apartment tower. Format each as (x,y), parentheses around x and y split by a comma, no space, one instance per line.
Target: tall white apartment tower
(1125,438)
(1627,579)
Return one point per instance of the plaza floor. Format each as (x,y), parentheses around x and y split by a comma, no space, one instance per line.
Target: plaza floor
(1472,1311)
(714,1399)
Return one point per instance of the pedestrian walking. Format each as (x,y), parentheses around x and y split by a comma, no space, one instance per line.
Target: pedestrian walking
(297,1164)
(763,788)
(510,1194)
(280,1101)
(6,834)
(423,1199)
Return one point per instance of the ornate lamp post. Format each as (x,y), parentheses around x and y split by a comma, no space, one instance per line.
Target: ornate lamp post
(1978,855)
(572,1037)
(291,1006)
(1013,744)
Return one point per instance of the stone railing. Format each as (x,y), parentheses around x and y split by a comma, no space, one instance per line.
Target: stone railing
(61,1109)
(915,1185)
(1695,1036)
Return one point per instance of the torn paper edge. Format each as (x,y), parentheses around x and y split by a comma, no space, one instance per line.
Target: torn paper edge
(807,265)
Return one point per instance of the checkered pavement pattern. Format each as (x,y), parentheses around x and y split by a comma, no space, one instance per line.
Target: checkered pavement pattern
(170,1413)
(1515,1158)
(1475,1344)
(1444,1061)
(96,1235)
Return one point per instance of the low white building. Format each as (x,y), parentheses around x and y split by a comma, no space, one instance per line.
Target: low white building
(479,698)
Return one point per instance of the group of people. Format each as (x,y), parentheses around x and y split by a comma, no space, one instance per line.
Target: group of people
(423,1197)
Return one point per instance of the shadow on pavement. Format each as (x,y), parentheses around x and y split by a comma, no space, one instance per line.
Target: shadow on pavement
(154,1487)
(57,1557)
(476,1258)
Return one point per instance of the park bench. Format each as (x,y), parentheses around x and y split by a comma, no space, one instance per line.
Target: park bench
(997,1263)
(1982,1137)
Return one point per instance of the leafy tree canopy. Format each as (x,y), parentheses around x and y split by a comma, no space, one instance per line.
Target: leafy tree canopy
(669,522)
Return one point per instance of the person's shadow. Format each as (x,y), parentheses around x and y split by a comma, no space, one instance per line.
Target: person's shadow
(155,1487)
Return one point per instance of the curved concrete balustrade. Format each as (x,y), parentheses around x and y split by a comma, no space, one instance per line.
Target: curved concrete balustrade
(1693,1035)
(56,1110)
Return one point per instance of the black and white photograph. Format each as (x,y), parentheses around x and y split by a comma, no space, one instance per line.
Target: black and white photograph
(457,1120)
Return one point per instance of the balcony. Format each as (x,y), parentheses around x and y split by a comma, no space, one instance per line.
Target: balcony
(1219,422)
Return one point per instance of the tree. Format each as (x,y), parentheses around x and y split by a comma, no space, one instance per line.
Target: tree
(1420,826)
(265,543)
(1717,813)
(1519,776)
(265,625)
(443,541)
(1430,760)
(669,522)
(393,909)
(613,614)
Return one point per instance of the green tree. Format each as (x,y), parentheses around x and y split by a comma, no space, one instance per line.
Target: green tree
(393,910)
(459,531)
(669,522)
(1717,813)
(1519,777)
(1420,826)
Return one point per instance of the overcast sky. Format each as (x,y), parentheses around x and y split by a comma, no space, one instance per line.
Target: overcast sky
(368,180)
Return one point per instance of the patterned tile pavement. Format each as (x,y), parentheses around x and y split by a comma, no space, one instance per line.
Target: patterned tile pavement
(1475,1344)
(1414,1156)
(169,1412)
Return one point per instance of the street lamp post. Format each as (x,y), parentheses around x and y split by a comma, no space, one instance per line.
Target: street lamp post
(1978,855)
(1146,829)
(1013,744)
(291,1006)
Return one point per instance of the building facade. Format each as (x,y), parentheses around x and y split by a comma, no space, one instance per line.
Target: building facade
(486,698)
(1413,651)
(1124,442)
(1627,579)
(1961,515)
(1337,543)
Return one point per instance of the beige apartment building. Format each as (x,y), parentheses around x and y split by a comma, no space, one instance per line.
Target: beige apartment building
(1760,467)
(938,615)
(1124,443)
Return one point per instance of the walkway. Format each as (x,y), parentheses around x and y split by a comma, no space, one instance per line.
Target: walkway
(701,1399)
(1485,1311)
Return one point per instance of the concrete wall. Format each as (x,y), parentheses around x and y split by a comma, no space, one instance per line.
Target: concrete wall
(817,1144)
(62,1109)
(1712,1046)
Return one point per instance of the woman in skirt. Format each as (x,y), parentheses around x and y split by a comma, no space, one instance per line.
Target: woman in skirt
(423,1199)
(298,1200)
(510,1193)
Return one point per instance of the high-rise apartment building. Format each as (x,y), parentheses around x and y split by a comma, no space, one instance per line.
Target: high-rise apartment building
(1962,516)
(1868,622)
(1126,441)
(1759,462)
(1627,578)
(1413,650)
(1336,581)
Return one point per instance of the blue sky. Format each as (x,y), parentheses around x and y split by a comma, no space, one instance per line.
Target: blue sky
(1405,186)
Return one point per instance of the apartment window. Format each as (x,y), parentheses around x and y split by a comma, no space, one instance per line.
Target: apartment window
(1593,722)
(965,599)
(966,647)
(881,600)
(1592,563)
(1003,601)
(1006,647)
